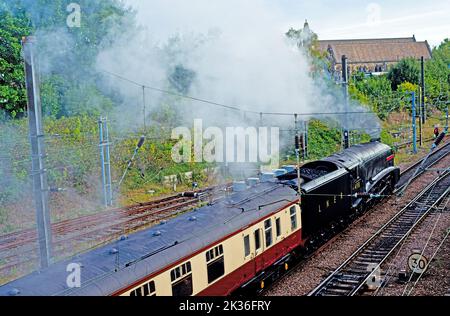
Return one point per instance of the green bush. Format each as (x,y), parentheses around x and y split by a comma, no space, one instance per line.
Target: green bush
(323,140)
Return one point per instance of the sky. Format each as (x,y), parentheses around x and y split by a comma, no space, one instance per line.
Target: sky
(330,19)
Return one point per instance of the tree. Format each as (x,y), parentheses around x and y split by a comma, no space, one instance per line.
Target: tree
(437,76)
(407,70)
(305,39)
(67,55)
(12,85)
(373,91)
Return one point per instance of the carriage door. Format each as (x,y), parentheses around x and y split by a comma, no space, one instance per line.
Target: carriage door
(259,260)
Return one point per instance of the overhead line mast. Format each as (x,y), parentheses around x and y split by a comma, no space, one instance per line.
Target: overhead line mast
(39,172)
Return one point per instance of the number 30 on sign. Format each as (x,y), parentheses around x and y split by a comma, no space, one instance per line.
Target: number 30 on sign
(417,263)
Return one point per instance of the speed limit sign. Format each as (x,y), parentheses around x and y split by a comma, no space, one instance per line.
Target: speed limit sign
(417,263)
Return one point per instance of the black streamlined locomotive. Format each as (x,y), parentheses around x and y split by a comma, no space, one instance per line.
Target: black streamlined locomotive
(341,186)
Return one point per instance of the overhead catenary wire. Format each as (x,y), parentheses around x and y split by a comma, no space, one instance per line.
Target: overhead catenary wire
(225,106)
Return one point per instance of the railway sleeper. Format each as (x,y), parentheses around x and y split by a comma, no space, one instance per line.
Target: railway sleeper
(358,270)
(361,262)
(354,277)
(342,286)
(371,258)
(346,280)
(330,294)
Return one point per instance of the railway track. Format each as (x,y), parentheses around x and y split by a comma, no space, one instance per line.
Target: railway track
(65,227)
(437,156)
(361,270)
(20,248)
(409,143)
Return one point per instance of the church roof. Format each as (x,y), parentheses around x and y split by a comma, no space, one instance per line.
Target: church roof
(376,50)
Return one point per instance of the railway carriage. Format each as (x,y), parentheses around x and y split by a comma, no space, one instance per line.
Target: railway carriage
(230,246)
(210,251)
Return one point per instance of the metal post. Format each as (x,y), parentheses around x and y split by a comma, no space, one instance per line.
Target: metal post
(346,139)
(346,99)
(345,78)
(297,154)
(102,160)
(422,82)
(108,165)
(414,122)
(39,173)
(105,161)
(306,139)
(446,121)
(420,115)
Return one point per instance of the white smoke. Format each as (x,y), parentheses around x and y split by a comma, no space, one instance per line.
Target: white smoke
(239,55)
(236,49)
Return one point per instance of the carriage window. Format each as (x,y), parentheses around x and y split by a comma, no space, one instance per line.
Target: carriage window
(181,280)
(136,292)
(278,226)
(152,288)
(216,269)
(257,240)
(247,245)
(214,253)
(268,232)
(216,263)
(180,271)
(293,213)
(149,289)
(183,287)
(175,274)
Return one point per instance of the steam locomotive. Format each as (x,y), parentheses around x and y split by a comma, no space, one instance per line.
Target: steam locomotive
(236,244)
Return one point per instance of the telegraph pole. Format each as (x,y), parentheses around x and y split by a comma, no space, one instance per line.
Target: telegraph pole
(39,173)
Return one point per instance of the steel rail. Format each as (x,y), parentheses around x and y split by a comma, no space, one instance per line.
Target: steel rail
(376,239)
